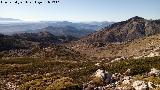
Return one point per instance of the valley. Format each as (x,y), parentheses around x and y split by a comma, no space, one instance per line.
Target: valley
(120,56)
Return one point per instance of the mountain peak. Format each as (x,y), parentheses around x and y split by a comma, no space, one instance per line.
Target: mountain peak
(136,18)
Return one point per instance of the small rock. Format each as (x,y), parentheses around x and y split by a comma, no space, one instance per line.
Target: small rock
(97,64)
(151,85)
(48,74)
(11,86)
(127,80)
(116,77)
(128,72)
(89,87)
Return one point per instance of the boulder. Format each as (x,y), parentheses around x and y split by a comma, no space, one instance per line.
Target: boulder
(104,75)
(151,85)
(127,80)
(140,85)
(116,77)
(154,72)
(153,54)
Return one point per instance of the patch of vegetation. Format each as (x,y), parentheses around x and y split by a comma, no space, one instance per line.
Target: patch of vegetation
(78,70)
(97,81)
(155,80)
(64,83)
(137,66)
(36,73)
(40,83)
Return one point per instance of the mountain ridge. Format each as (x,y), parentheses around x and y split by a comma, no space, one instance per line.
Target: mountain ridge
(114,41)
(64,31)
(130,29)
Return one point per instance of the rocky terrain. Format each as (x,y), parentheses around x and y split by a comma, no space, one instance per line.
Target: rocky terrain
(122,56)
(58,74)
(103,80)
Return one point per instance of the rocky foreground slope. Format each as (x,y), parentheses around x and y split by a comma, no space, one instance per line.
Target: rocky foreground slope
(52,74)
(103,80)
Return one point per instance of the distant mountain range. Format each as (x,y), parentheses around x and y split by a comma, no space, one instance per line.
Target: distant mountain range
(64,31)
(81,28)
(8,19)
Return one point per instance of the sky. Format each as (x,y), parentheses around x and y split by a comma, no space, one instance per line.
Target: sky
(81,10)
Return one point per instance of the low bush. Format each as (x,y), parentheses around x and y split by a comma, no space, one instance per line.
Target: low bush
(137,66)
(64,83)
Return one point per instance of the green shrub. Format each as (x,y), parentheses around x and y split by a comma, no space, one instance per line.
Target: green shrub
(97,81)
(64,83)
(137,66)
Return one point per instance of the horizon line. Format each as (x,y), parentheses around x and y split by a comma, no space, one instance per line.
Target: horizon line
(46,20)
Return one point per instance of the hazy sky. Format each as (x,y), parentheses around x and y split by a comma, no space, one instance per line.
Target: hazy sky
(82,10)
